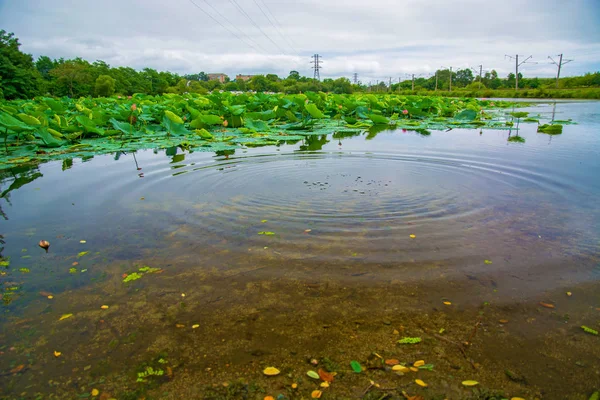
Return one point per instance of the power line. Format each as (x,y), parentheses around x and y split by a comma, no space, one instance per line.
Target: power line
(559,65)
(240,9)
(290,41)
(269,19)
(224,27)
(233,25)
(317,66)
(517,65)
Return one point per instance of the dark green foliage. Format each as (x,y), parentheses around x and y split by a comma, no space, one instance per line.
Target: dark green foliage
(105,86)
(550,129)
(19,79)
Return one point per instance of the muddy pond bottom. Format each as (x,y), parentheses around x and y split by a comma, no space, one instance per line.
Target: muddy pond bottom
(177,275)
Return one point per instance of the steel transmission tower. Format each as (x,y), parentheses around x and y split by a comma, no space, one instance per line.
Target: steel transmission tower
(559,64)
(355,78)
(316,66)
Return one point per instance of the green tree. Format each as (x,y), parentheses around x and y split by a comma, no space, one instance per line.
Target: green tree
(44,65)
(73,78)
(105,86)
(18,76)
(295,75)
(463,77)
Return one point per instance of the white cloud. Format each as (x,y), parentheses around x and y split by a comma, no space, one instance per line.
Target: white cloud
(377,39)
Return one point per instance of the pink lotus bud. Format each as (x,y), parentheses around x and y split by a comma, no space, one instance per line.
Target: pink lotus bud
(404,112)
(225,123)
(129,97)
(133,107)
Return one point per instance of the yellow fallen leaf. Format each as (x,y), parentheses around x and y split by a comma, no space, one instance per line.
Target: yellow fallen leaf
(65,316)
(195,326)
(57,353)
(182,294)
(413,236)
(104,307)
(316,394)
(420,383)
(414,369)
(419,363)
(294,386)
(400,368)
(569,294)
(179,326)
(470,383)
(271,371)
(517,398)
(503,321)
(547,305)
(447,303)
(324,384)
(269,398)
(82,241)
(50,297)
(95,392)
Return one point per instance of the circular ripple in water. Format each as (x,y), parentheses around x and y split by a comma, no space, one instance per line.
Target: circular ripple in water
(340,206)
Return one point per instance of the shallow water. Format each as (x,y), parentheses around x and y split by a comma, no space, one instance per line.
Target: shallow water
(341,211)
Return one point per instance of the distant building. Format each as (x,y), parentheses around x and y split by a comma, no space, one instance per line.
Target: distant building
(245,78)
(217,77)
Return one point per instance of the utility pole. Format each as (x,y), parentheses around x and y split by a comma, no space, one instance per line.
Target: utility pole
(355,78)
(413,82)
(317,66)
(517,65)
(480,73)
(390,83)
(559,64)
(450,78)
(436,80)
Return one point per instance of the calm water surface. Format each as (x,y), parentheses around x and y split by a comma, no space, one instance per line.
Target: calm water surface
(362,211)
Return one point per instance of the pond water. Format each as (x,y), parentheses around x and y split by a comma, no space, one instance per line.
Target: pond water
(330,249)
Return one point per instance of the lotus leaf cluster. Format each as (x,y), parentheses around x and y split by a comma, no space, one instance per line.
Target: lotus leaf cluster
(47,128)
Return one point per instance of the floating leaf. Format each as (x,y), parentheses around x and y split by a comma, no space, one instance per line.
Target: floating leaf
(447,303)
(428,367)
(419,363)
(82,253)
(82,241)
(324,384)
(266,233)
(57,353)
(487,261)
(263,221)
(470,383)
(316,394)
(272,371)
(420,383)
(65,316)
(414,369)
(413,236)
(400,368)
(356,367)
(195,326)
(313,374)
(104,307)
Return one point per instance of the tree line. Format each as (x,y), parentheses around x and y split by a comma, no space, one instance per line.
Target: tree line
(23,77)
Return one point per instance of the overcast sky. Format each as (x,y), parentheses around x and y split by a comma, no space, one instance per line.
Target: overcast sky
(377,39)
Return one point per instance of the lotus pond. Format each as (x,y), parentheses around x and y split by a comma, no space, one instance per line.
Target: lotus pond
(314,246)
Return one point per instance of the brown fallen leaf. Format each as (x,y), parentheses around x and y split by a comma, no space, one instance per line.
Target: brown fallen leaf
(392,362)
(179,325)
(75,263)
(316,394)
(325,376)
(503,321)
(17,369)
(547,305)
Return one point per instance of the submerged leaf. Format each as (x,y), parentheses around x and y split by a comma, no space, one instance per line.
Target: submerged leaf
(356,367)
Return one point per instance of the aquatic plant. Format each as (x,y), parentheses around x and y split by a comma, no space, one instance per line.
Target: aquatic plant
(149,372)
(46,128)
(554,129)
(132,277)
(589,330)
(409,340)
